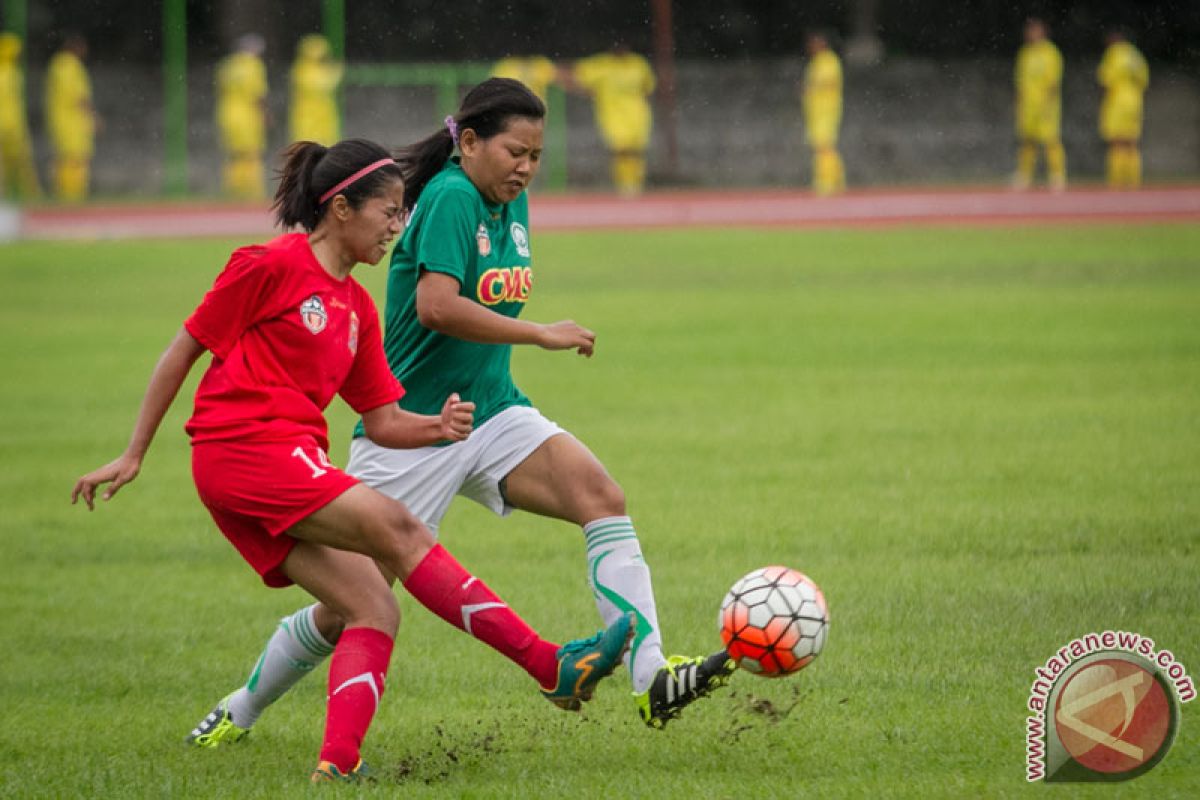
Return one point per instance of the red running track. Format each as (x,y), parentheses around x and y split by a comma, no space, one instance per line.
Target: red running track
(675,209)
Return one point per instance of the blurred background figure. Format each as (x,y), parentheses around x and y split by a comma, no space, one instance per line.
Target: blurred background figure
(1125,76)
(18,178)
(536,72)
(242,117)
(821,96)
(1038,79)
(70,119)
(620,83)
(313,109)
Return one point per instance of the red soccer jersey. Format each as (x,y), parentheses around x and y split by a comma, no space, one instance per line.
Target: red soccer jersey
(285,337)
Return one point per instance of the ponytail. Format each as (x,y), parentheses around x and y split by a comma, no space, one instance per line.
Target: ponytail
(312,175)
(487,109)
(421,161)
(295,202)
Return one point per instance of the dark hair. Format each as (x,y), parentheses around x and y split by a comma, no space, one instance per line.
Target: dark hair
(486,109)
(310,170)
(1121,33)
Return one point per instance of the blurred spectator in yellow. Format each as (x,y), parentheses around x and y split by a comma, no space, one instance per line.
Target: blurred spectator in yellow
(71,119)
(621,82)
(314,113)
(1124,75)
(1038,79)
(18,178)
(821,96)
(536,72)
(242,117)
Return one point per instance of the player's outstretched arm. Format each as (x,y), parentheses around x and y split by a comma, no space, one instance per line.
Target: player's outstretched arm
(392,426)
(441,308)
(168,375)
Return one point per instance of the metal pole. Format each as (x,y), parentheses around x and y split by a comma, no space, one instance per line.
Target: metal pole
(16,19)
(333,21)
(175,95)
(664,64)
(556,138)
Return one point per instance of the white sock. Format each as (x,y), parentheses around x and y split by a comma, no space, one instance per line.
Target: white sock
(293,651)
(620,581)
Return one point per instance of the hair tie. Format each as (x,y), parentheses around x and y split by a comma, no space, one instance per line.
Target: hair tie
(383,162)
(452,126)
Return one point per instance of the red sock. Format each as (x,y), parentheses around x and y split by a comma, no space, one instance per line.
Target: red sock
(356,674)
(442,585)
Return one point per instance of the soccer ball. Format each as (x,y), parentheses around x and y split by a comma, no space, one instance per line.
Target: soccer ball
(774,621)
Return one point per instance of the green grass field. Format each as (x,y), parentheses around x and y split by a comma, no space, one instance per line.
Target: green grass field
(982,443)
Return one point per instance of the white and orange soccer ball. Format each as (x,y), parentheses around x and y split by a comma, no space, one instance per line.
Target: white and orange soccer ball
(774,621)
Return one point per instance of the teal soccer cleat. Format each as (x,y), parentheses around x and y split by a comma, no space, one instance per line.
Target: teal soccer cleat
(327,772)
(585,662)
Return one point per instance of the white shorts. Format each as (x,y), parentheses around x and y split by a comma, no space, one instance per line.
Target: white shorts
(426,479)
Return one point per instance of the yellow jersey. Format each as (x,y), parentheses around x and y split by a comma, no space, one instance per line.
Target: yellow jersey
(536,72)
(823,84)
(313,113)
(620,84)
(1038,75)
(822,98)
(1038,81)
(1124,74)
(241,92)
(69,105)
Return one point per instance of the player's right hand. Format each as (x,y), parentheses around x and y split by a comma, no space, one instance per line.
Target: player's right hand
(458,418)
(567,335)
(116,474)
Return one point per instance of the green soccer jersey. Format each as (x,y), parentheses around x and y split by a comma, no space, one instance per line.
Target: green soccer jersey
(485,247)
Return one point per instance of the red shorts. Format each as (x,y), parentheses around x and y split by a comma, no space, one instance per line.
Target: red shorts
(257,490)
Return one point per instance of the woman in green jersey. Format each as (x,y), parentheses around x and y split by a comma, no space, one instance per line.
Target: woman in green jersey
(459,279)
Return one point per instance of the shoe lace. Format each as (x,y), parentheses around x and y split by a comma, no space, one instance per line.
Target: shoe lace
(580,645)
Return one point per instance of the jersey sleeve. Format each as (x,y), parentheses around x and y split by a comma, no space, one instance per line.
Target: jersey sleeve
(589,72)
(545,71)
(649,82)
(370,383)
(236,301)
(1141,71)
(1056,67)
(828,73)
(1104,72)
(448,234)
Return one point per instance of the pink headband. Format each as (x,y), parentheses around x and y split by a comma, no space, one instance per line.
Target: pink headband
(383,162)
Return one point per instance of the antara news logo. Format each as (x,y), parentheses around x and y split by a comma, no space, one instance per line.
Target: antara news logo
(1105,707)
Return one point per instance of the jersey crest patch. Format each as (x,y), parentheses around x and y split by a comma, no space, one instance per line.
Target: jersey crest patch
(482,239)
(313,314)
(520,239)
(353,340)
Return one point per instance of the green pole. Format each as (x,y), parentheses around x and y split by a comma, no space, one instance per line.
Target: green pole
(175,95)
(556,137)
(447,91)
(16,18)
(333,22)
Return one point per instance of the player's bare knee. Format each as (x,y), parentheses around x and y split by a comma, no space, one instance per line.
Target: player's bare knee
(606,496)
(401,534)
(384,612)
(376,607)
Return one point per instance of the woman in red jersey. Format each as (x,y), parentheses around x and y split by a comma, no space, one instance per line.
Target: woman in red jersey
(288,328)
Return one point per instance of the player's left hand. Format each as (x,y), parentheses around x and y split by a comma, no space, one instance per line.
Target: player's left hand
(458,418)
(116,474)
